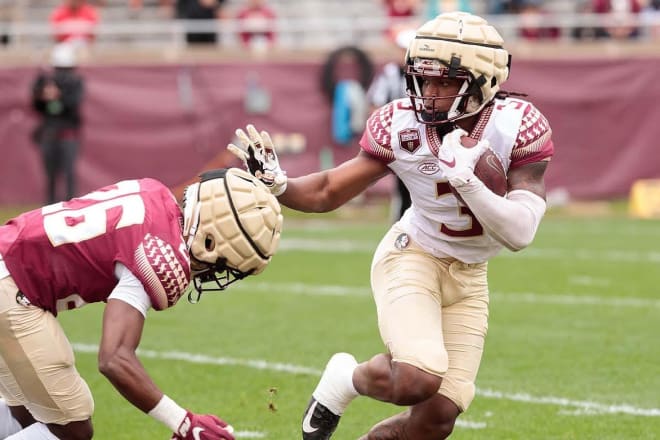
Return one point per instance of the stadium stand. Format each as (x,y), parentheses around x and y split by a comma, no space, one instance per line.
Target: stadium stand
(301,25)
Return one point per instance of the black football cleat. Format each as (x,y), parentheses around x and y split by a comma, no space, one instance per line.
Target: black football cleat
(318,422)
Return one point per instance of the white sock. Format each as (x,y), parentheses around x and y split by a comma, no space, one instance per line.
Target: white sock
(8,424)
(36,431)
(335,390)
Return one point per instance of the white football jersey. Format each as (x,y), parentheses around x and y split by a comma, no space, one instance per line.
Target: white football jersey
(517,132)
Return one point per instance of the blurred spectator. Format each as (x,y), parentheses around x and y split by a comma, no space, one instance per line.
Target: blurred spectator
(435,7)
(531,15)
(257,22)
(346,74)
(7,16)
(651,15)
(503,6)
(57,96)
(399,12)
(165,7)
(583,32)
(74,21)
(390,84)
(200,10)
(620,11)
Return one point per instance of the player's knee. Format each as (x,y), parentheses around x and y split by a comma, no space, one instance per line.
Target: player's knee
(442,430)
(428,355)
(440,427)
(417,371)
(80,430)
(460,392)
(412,385)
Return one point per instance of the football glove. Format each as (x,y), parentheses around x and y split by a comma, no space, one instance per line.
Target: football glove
(203,427)
(258,154)
(456,161)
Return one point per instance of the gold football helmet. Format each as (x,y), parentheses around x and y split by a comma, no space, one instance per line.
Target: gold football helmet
(232,224)
(456,45)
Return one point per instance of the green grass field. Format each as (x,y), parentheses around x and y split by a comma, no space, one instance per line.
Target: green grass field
(572,350)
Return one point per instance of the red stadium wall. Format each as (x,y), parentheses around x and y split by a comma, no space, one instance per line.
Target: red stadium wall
(168,122)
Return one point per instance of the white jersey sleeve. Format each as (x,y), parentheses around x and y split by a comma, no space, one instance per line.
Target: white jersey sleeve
(130,290)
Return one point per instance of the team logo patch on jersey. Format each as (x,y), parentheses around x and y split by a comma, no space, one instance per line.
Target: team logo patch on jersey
(428,168)
(402,241)
(409,139)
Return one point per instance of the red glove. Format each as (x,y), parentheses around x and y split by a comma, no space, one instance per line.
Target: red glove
(203,427)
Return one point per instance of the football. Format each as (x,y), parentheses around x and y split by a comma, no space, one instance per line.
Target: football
(489,170)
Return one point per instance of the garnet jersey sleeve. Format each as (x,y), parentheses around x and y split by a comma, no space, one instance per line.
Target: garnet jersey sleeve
(162,273)
(377,137)
(534,140)
(158,257)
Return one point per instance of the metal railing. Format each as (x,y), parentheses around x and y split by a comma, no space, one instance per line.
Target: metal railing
(309,32)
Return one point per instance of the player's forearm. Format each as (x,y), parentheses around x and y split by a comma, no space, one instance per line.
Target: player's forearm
(129,377)
(310,193)
(511,220)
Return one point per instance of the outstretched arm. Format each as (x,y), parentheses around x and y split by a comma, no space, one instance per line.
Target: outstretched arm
(317,192)
(329,189)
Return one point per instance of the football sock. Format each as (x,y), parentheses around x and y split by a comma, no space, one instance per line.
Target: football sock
(36,431)
(8,424)
(335,390)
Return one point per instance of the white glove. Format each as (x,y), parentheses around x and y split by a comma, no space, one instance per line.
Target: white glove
(456,161)
(258,154)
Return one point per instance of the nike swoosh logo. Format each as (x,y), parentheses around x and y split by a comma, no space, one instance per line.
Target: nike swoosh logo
(307,425)
(449,164)
(196,431)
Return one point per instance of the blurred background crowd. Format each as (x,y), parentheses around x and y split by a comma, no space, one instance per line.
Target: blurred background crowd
(161,85)
(261,24)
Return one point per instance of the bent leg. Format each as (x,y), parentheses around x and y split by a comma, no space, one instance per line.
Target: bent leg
(432,419)
(406,286)
(37,368)
(395,382)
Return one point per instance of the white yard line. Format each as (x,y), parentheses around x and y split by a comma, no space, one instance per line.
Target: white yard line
(351,246)
(470,424)
(584,405)
(582,280)
(249,434)
(568,299)
(261,364)
(527,297)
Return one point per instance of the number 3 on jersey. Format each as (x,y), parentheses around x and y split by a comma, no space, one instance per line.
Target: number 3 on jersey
(473,229)
(67,225)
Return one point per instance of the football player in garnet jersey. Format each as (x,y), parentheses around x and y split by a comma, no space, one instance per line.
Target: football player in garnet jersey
(131,246)
(428,274)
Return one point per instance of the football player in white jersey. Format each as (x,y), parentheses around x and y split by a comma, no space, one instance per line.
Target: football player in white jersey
(429,273)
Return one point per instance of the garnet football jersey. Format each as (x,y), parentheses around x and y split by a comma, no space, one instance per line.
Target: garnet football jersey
(518,133)
(63,255)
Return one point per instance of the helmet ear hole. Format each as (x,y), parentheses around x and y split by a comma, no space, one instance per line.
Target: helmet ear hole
(209,243)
